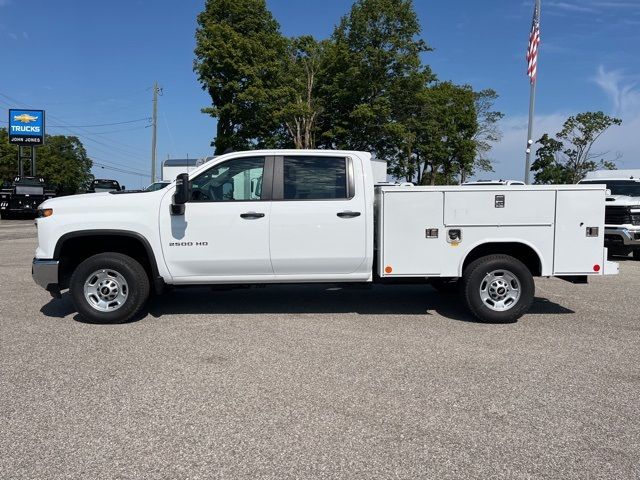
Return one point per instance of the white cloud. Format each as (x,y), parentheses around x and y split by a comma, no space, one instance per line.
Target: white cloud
(571,7)
(621,90)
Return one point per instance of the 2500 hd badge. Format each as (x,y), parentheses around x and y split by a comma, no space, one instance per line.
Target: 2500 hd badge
(188,244)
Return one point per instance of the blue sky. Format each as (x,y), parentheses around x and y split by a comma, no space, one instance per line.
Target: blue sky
(93,63)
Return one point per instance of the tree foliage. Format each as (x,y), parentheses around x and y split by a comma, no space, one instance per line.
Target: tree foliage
(300,106)
(239,58)
(62,161)
(372,70)
(569,156)
(488,131)
(364,88)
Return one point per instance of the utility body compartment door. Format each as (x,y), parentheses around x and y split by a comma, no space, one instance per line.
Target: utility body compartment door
(408,249)
(577,250)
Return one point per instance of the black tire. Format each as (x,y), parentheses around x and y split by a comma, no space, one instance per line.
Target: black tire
(449,286)
(474,279)
(5,215)
(636,253)
(137,287)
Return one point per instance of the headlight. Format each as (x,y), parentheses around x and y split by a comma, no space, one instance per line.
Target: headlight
(45,212)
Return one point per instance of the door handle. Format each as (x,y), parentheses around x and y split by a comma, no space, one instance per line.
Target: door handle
(251,215)
(348,214)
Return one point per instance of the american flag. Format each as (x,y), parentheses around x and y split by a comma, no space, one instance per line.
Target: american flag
(534,42)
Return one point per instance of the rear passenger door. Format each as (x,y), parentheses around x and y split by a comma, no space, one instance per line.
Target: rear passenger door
(318,218)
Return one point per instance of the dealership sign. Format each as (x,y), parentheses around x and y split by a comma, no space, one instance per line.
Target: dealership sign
(26,127)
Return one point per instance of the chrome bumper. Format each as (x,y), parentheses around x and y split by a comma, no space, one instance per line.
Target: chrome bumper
(629,237)
(45,273)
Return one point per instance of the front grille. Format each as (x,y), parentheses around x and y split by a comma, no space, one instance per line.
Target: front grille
(617,215)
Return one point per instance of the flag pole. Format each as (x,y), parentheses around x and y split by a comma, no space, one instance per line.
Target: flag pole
(532,52)
(532,105)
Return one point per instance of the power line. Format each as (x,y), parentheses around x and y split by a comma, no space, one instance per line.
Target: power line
(119,170)
(88,137)
(146,119)
(118,131)
(87,134)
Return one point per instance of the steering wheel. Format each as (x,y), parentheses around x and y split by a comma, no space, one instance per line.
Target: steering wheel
(199,196)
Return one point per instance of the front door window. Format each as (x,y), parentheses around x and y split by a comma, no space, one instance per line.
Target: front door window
(235,180)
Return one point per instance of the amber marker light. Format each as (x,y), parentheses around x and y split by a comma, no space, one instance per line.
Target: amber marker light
(45,212)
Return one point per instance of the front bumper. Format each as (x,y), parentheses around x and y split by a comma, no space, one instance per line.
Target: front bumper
(621,236)
(45,274)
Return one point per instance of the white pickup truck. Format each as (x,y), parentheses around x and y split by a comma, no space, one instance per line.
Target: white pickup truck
(302,216)
(622,213)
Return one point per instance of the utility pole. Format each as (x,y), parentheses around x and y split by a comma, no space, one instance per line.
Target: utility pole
(154,125)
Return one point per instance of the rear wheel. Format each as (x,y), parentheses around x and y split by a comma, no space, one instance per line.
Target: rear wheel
(498,288)
(109,288)
(636,253)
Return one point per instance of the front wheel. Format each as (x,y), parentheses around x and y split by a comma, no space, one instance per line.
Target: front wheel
(498,288)
(109,288)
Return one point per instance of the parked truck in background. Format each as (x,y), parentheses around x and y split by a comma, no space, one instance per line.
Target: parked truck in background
(622,211)
(103,185)
(22,195)
(317,216)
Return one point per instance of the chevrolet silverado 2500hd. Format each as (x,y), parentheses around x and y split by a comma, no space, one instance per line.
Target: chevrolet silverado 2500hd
(296,216)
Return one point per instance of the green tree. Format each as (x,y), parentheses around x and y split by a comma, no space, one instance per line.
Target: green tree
(62,161)
(372,68)
(488,131)
(448,145)
(437,142)
(301,105)
(569,156)
(239,62)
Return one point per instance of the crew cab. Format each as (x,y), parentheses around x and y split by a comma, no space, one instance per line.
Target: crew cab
(622,217)
(317,216)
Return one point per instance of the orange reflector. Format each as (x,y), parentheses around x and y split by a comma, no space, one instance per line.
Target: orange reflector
(596,268)
(47,212)
(388,269)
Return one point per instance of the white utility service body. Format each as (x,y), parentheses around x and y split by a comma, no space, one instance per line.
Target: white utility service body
(303,216)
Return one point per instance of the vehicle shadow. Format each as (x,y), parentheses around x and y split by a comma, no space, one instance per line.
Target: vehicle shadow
(303,299)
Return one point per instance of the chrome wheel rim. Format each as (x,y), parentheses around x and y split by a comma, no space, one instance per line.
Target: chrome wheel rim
(106,290)
(500,290)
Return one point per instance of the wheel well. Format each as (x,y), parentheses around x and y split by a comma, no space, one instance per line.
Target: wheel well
(72,251)
(522,252)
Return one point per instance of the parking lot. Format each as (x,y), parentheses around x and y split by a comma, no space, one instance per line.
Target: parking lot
(318,382)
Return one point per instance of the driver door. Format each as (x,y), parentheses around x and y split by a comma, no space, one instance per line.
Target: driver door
(225,229)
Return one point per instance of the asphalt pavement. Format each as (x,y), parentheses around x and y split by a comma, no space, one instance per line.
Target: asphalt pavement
(316,382)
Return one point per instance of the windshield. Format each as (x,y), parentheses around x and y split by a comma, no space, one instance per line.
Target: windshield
(105,185)
(629,188)
(156,186)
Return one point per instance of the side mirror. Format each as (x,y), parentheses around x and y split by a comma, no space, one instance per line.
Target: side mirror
(122,188)
(608,192)
(182,194)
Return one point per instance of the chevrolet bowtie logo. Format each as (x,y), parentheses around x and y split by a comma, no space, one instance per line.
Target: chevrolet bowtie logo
(25,118)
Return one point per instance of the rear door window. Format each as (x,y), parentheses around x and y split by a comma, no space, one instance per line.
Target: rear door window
(315,178)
